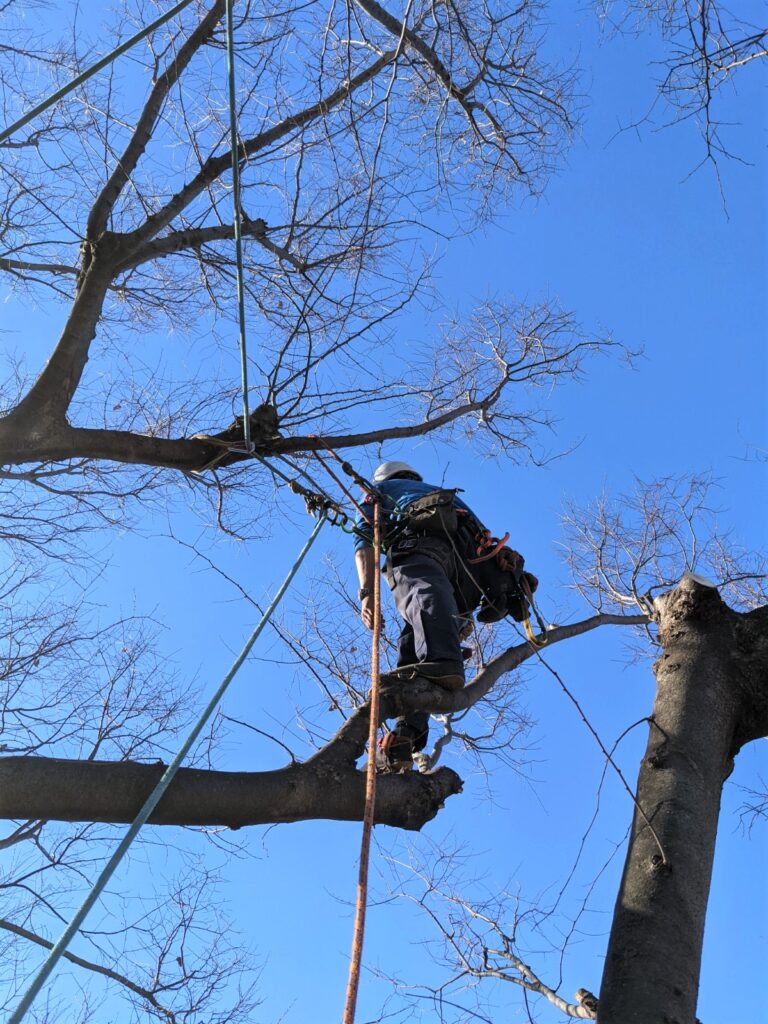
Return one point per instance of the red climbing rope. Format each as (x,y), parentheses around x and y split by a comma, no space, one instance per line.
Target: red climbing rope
(370,785)
(340,483)
(348,469)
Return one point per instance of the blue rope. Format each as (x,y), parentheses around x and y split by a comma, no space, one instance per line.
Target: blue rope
(98,887)
(91,71)
(237,224)
(157,793)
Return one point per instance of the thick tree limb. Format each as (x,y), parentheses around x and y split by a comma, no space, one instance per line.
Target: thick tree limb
(115,791)
(21,444)
(328,785)
(190,239)
(36,417)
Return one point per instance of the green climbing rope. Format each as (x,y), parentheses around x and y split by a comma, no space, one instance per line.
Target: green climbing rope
(65,90)
(153,799)
(156,795)
(237,214)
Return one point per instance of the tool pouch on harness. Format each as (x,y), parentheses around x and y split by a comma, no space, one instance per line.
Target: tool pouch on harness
(505,592)
(433,515)
(427,525)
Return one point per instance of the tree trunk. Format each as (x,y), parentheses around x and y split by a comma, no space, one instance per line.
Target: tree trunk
(711,698)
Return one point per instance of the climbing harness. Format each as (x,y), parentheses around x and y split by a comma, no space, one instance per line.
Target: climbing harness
(154,797)
(344,489)
(370,786)
(435,515)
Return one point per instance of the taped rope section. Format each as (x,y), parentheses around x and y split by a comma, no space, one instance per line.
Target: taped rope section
(370,786)
(155,796)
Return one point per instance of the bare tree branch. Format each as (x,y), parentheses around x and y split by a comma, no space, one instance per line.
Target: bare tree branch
(89,965)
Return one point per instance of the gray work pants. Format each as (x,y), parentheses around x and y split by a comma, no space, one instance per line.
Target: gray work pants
(424,596)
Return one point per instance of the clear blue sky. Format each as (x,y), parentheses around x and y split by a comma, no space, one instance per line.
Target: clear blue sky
(635,246)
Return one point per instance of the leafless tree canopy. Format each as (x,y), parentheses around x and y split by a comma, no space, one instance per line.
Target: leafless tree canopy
(707,44)
(624,550)
(361,134)
(365,135)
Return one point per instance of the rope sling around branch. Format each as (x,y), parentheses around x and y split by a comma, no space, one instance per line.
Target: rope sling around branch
(155,796)
(370,785)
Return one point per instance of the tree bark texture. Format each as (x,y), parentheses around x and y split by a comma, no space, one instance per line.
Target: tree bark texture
(328,785)
(712,697)
(62,790)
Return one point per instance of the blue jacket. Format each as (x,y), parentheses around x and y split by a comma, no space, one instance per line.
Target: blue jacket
(397,495)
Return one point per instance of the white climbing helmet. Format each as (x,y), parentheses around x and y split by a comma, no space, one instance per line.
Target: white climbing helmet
(389,469)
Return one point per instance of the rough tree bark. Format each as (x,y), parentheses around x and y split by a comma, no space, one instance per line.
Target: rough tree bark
(328,785)
(712,698)
(48,788)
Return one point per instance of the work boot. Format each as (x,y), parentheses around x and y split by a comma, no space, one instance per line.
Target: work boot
(448,674)
(394,753)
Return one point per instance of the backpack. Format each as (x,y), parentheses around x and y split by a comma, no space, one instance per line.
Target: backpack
(491,585)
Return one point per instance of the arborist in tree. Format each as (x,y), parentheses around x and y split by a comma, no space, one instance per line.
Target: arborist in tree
(441,563)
